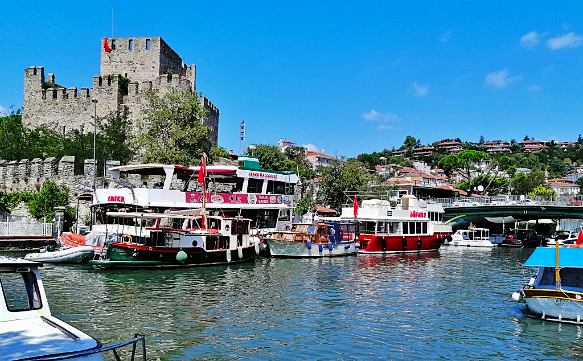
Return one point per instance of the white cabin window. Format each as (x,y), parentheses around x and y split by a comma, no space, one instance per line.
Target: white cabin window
(20,291)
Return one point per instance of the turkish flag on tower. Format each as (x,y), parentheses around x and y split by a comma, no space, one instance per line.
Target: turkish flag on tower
(106,46)
(355,207)
(202,170)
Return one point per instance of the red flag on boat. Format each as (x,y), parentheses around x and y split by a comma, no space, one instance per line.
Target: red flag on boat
(355,207)
(202,170)
(106,46)
(580,237)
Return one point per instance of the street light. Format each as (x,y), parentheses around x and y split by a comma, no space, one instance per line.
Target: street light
(94,101)
(252,147)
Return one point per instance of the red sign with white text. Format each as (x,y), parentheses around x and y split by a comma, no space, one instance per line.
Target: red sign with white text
(416,214)
(231,198)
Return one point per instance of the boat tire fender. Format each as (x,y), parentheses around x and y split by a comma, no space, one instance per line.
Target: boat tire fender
(320,247)
(330,246)
(419,243)
(309,244)
(257,248)
(240,252)
(228,256)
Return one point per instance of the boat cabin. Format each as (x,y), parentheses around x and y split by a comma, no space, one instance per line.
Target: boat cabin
(244,190)
(472,234)
(323,232)
(570,264)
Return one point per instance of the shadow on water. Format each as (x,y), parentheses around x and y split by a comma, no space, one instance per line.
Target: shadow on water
(453,304)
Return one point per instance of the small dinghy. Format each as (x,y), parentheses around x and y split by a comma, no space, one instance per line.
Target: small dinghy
(74,248)
(29,332)
(80,254)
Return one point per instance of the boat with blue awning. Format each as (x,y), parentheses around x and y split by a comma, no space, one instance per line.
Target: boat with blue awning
(555,292)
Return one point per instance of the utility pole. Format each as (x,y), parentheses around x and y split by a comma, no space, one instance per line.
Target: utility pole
(94,101)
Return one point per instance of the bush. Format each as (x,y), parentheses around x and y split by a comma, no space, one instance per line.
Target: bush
(41,204)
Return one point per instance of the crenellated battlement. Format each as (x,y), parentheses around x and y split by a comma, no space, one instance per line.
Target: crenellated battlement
(133,67)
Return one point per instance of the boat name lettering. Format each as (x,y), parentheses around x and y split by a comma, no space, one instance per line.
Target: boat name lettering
(116,199)
(416,214)
(263,175)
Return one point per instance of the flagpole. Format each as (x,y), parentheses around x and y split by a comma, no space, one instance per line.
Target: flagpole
(203,165)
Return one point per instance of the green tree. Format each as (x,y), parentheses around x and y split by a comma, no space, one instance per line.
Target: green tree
(305,205)
(171,130)
(523,183)
(464,163)
(42,203)
(543,192)
(341,177)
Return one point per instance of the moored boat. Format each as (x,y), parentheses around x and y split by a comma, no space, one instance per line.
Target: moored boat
(323,239)
(555,292)
(405,228)
(28,330)
(473,237)
(177,239)
(73,248)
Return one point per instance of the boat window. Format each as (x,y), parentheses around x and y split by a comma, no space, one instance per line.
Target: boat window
(214,223)
(240,227)
(284,215)
(405,228)
(572,278)
(275,187)
(381,227)
(254,185)
(368,227)
(20,291)
(289,189)
(418,228)
(424,227)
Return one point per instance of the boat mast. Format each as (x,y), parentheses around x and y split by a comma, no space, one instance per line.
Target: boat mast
(557,267)
(202,180)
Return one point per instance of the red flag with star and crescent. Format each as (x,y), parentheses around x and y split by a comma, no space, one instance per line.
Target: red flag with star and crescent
(106,46)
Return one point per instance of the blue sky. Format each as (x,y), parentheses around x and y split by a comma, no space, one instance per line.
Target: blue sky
(348,77)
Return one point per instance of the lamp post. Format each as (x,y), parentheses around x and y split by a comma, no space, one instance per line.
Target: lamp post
(252,147)
(94,101)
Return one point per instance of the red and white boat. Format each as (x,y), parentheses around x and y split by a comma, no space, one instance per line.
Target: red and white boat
(406,228)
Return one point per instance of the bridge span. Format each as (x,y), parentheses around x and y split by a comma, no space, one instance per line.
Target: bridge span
(519,212)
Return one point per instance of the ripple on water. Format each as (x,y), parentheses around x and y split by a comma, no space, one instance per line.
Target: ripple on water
(454,304)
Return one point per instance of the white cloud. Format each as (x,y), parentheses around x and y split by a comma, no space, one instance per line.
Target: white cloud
(535,88)
(420,90)
(374,116)
(500,78)
(3,111)
(385,120)
(530,40)
(445,37)
(569,40)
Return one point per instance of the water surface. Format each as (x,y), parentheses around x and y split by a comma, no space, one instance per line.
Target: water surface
(451,305)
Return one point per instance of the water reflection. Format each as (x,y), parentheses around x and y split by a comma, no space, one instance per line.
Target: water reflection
(454,304)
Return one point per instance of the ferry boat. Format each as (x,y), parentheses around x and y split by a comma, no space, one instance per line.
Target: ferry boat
(323,239)
(245,190)
(555,292)
(473,237)
(405,228)
(176,239)
(28,330)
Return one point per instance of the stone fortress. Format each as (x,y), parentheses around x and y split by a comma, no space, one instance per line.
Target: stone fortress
(132,67)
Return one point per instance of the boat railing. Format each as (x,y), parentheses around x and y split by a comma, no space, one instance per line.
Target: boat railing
(138,340)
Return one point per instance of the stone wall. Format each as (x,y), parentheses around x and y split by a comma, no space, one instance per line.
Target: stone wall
(126,73)
(29,175)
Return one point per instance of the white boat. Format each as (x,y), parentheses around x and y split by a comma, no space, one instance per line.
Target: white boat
(562,237)
(29,332)
(473,237)
(555,292)
(80,254)
(324,239)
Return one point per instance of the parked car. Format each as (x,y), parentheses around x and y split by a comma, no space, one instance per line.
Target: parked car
(465,203)
(575,201)
(528,202)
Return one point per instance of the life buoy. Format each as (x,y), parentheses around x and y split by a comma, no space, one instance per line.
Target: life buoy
(126,238)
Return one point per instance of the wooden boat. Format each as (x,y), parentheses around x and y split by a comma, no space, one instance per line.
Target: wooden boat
(28,331)
(323,239)
(555,292)
(408,227)
(176,239)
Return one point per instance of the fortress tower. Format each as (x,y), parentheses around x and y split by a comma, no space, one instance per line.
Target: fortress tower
(133,66)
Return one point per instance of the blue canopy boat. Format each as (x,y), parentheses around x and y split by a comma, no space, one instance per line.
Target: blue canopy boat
(555,293)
